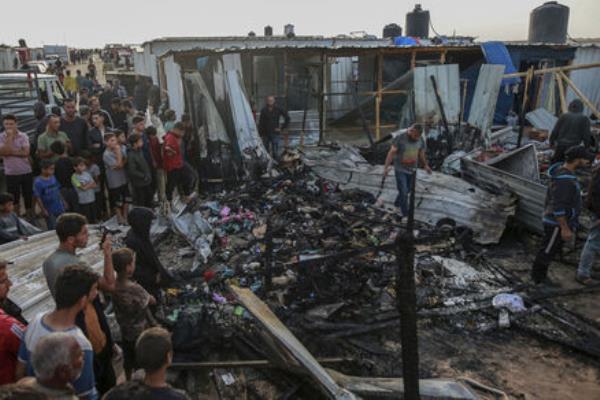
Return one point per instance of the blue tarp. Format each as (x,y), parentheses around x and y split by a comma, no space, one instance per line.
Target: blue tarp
(497,53)
(405,41)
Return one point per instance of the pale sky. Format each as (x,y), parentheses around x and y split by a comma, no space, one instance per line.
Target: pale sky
(93,24)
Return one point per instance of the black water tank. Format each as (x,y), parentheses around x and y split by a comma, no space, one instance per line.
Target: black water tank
(391,31)
(548,23)
(268,30)
(417,22)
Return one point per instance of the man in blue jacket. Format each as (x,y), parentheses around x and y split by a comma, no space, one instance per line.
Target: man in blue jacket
(563,204)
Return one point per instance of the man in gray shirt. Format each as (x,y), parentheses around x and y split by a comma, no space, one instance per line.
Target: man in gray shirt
(408,149)
(73,234)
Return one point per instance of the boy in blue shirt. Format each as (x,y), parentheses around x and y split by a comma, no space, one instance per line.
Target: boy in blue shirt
(46,191)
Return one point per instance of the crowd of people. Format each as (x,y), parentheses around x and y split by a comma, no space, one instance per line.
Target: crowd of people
(99,149)
(69,352)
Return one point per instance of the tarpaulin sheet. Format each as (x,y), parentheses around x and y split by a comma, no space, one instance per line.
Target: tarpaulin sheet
(497,53)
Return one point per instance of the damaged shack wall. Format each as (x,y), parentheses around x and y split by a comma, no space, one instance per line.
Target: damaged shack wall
(174,85)
(523,57)
(588,80)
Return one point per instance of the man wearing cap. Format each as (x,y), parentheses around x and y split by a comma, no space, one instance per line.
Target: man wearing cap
(563,204)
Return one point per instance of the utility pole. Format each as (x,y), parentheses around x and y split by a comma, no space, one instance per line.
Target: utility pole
(407,302)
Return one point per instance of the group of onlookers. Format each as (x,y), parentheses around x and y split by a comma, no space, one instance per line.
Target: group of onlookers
(69,352)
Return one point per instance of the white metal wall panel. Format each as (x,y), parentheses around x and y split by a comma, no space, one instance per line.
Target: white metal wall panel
(486,96)
(341,82)
(587,80)
(447,80)
(174,86)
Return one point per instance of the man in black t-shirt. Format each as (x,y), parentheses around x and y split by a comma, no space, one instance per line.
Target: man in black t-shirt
(75,127)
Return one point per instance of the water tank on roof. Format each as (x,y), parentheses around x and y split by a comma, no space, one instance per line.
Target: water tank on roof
(392,31)
(548,23)
(288,31)
(417,22)
(268,30)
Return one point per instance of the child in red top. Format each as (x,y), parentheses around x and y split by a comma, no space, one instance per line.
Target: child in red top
(177,176)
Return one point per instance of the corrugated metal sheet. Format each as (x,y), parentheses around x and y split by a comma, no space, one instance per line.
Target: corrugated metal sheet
(541,119)
(588,81)
(515,172)
(486,96)
(250,144)
(213,122)
(30,291)
(341,82)
(437,195)
(174,85)
(447,80)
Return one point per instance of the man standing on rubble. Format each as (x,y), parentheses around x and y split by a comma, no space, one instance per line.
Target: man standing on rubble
(408,149)
(269,126)
(563,204)
(571,129)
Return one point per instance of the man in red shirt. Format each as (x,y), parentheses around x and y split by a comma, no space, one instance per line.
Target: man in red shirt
(11,333)
(177,175)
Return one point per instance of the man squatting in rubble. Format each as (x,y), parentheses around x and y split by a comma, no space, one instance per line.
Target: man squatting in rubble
(563,204)
(408,149)
(571,129)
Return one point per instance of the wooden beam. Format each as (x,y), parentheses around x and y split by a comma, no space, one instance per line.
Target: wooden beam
(583,98)
(553,69)
(244,363)
(282,335)
(379,96)
(561,93)
(285,94)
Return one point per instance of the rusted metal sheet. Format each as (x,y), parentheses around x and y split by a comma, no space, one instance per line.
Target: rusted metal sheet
(438,195)
(515,172)
(447,79)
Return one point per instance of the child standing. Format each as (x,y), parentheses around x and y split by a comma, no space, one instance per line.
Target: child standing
(131,303)
(114,161)
(121,138)
(63,170)
(94,171)
(84,184)
(139,173)
(46,191)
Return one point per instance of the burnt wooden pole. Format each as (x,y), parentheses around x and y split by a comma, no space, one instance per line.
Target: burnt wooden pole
(269,254)
(407,302)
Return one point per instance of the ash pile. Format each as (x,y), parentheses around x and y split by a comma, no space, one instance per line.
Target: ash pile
(287,288)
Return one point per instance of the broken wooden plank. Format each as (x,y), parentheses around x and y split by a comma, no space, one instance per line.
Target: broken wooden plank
(244,363)
(283,335)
